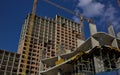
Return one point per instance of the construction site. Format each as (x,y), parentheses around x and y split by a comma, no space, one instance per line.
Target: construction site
(70,54)
(93,57)
(58,46)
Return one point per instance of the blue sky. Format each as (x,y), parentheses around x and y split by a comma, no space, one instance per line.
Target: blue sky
(13,13)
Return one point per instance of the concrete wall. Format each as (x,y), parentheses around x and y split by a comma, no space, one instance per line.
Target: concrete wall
(93,28)
(114,43)
(94,42)
(111,30)
(79,42)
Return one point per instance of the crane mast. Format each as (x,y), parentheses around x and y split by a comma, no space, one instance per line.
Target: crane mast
(34,7)
(31,24)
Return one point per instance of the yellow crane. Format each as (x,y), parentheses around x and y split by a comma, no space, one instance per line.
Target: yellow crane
(65,9)
(73,13)
(34,7)
(31,23)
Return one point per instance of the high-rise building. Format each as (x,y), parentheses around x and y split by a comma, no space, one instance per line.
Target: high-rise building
(9,62)
(47,38)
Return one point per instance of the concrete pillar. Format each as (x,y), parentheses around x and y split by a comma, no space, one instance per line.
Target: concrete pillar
(118,63)
(114,43)
(59,58)
(41,66)
(111,30)
(82,27)
(99,65)
(118,35)
(59,73)
(79,42)
(94,42)
(93,28)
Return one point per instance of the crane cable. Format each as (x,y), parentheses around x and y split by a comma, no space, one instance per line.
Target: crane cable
(65,9)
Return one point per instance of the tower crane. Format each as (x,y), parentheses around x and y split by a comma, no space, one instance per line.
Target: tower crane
(65,9)
(34,6)
(31,23)
(69,11)
(73,13)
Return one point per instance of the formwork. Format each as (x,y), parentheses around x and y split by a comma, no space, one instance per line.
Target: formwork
(97,60)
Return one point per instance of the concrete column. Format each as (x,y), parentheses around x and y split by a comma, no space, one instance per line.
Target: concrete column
(94,42)
(114,43)
(99,65)
(82,27)
(7,64)
(41,66)
(111,30)
(79,42)
(118,63)
(59,57)
(112,33)
(59,73)
(118,35)
(93,28)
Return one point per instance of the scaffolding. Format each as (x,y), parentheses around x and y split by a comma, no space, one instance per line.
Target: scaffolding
(99,59)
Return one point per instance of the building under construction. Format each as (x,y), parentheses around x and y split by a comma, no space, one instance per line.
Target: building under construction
(57,47)
(93,62)
(9,62)
(100,53)
(59,42)
(46,38)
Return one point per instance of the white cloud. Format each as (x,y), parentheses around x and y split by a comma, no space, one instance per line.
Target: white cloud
(91,8)
(110,16)
(83,3)
(106,12)
(94,9)
(109,13)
